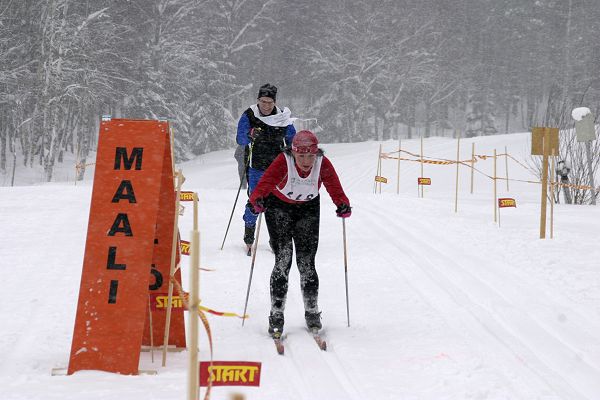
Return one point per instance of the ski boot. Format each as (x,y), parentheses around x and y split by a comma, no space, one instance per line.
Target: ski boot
(313,321)
(249,239)
(276,324)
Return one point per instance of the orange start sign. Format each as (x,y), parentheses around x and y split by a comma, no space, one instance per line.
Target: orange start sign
(186,196)
(185,247)
(506,202)
(230,373)
(424,181)
(159,301)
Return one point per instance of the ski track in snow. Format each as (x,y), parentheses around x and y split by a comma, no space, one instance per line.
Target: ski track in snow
(316,369)
(311,372)
(523,337)
(438,313)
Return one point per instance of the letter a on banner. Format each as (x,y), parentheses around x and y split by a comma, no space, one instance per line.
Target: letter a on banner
(128,197)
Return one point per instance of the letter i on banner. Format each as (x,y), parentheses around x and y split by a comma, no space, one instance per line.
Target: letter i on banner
(124,210)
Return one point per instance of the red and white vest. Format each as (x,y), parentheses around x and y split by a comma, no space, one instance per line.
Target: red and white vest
(301,189)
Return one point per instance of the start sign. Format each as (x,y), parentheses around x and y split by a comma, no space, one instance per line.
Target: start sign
(128,243)
(230,373)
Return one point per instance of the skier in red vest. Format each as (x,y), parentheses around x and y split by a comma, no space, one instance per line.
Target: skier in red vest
(288,193)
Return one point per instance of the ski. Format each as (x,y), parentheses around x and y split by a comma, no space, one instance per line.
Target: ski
(249,250)
(279,346)
(319,340)
(278,340)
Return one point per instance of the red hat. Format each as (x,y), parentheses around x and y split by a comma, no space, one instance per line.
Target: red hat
(305,142)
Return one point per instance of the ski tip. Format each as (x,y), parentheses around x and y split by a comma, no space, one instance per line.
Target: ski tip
(277,339)
(280,349)
(322,343)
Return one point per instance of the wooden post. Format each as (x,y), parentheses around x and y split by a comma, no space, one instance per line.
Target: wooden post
(151,330)
(588,152)
(495,189)
(499,212)
(545,146)
(506,166)
(399,153)
(422,191)
(472,164)
(552,185)
(174,248)
(379,170)
(457,171)
(377,173)
(193,376)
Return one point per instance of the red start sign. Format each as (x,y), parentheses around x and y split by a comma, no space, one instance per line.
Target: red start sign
(506,202)
(230,373)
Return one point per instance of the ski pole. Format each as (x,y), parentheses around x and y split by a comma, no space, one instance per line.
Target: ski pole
(346,271)
(251,268)
(234,204)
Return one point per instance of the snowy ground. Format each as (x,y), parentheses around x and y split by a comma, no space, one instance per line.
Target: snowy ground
(443,305)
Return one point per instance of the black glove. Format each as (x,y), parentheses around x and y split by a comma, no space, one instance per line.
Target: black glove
(258,206)
(254,134)
(343,210)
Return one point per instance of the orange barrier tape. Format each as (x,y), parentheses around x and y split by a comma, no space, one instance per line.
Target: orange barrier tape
(185,296)
(210,343)
(208,310)
(222,314)
(425,161)
(82,166)
(467,163)
(572,185)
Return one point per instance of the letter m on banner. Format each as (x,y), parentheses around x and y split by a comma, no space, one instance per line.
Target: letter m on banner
(128,247)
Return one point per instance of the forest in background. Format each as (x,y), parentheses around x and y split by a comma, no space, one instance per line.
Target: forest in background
(364,69)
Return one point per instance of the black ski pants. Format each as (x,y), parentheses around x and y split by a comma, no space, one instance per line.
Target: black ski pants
(299,223)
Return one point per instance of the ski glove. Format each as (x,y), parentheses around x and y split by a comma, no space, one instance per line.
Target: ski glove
(254,134)
(258,206)
(343,210)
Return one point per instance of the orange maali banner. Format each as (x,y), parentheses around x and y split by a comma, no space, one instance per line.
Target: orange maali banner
(128,234)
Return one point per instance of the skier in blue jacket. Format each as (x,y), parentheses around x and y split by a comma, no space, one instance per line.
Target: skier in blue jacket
(265,130)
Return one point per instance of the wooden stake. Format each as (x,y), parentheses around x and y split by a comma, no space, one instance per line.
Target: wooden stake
(151,330)
(172,269)
(457,171)
(379,172)
(399,153)
(422,191)
(545,146)
(499,213)
(472,164)
(588,152)
(495,189)
(552,185)
(506,165)
(193,376)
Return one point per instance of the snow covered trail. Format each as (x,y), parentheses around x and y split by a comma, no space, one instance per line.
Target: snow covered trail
(443,306)
(492,309)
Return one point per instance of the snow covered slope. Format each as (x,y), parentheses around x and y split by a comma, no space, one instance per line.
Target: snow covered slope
(443,305)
